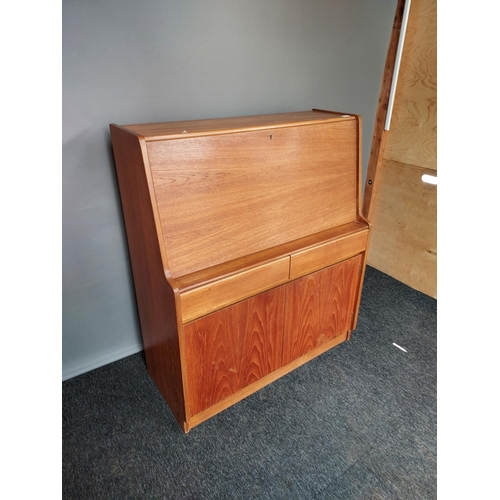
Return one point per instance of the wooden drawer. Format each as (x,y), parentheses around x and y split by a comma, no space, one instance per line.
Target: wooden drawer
(328,253)
(211,297)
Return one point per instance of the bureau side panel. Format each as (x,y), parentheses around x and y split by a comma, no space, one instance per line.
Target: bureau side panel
(155,297)
(226,196)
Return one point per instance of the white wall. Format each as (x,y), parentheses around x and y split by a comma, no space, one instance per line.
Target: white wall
(160,60)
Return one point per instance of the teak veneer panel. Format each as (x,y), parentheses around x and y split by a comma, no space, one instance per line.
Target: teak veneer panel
(155,296)
(328,253)
(208,275)
(241,193)
(259,384)
(197,301)
(320,307)
(234,347)
(189,128)
(245,235)
(226,291)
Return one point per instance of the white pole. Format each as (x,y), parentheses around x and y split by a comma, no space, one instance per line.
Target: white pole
(399,53)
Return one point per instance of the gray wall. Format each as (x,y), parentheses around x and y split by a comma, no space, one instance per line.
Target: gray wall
(160,60)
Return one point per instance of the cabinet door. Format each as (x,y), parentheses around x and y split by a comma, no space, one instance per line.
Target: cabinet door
(232,348)
(319,307)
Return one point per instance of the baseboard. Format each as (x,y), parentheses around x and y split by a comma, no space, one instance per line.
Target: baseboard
(98,362)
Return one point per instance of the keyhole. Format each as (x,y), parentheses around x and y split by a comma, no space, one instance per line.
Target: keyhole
(271,136)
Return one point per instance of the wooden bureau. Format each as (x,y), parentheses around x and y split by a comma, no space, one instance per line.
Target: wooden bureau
(247,247)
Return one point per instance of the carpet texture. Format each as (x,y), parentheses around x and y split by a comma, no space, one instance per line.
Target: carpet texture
(358,422)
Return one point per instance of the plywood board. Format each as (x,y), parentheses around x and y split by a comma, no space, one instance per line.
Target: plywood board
(400,206)
(404,234)
(412,137)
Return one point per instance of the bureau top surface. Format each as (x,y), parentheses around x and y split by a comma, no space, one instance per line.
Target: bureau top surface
(190,128)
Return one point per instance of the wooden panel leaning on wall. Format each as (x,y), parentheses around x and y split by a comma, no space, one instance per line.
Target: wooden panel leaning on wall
(247,245)
(401,207)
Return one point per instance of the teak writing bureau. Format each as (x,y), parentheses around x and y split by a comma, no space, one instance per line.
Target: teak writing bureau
(247,246)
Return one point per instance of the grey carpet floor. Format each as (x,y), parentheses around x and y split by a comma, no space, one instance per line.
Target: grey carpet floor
(358,422)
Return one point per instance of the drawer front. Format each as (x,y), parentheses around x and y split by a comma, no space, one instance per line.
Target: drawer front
(315,258)
(208,298)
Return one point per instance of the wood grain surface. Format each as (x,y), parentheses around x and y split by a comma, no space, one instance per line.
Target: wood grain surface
(156,299)
(402,208)
(223,197)
(412,138)
(214,214)
(379,132)
(226,291)
(215,126)
(226,269)
(262,382)
(319,307)
(404,234)
(328,253)
(232,348)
